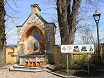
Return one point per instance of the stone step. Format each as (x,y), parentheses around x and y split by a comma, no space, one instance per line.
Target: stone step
(25,69)
(17,67)
(20,66)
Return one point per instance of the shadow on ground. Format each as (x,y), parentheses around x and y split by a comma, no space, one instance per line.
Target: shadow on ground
(93,72)
(90,74)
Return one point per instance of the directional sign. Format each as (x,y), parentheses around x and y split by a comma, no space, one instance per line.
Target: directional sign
(77,48)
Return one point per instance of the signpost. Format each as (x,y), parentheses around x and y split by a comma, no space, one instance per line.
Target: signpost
(67,63)
(77,49)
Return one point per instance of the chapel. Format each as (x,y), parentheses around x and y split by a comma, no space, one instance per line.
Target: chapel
(36,38)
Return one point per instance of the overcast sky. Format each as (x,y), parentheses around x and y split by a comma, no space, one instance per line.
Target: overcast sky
(18,11)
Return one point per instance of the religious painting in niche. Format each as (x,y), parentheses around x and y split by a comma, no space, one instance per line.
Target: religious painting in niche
(39,37)
(33,45)
(36,46)
(42,47)
(35,40)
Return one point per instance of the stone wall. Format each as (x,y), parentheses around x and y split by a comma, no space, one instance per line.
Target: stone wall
(11,54)
(57,55)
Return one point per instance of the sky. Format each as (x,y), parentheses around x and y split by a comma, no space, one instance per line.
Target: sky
(18,11)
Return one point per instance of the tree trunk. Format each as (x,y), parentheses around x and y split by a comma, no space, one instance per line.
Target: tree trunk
(2,33)
(67,11)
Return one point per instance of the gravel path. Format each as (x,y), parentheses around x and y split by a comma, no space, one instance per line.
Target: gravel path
(5,73)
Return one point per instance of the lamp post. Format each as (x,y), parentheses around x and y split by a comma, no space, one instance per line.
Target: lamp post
(96,17)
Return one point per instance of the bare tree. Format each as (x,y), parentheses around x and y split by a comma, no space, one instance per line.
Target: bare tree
(2,30)
(86,32)
(2,33)
(11,16)
(67,18)
(68,11)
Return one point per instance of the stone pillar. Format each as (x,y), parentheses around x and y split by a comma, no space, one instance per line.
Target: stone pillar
(20,50)
(50,42)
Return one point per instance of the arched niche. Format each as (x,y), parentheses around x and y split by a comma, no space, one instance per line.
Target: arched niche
(33,37)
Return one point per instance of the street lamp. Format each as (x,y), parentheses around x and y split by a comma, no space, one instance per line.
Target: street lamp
(96,17)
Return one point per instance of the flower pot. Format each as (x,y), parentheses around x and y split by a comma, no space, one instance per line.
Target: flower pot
(38,64)
(33,64)
(41,63)
(29,64)
(26,64)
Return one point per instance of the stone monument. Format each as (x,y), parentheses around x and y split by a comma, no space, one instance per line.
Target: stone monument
(36,38)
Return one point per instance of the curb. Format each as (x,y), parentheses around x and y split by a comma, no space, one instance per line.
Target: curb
(57,74)
(60,75)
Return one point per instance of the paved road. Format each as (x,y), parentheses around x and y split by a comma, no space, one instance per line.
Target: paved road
(5,73)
